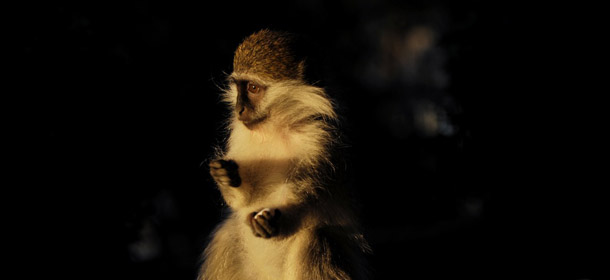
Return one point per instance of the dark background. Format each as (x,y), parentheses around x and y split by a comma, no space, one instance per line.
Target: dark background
(119,107)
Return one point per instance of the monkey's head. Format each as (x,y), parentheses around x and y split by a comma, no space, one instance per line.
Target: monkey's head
(262,61)
(270,55)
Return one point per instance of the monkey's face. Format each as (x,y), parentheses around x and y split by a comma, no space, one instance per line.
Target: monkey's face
(248,104)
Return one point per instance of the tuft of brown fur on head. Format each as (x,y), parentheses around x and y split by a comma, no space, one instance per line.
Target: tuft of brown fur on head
(270,55)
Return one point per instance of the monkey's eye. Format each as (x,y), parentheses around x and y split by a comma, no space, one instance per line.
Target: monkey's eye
(253,88)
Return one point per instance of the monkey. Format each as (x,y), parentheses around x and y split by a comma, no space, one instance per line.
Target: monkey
(288,216)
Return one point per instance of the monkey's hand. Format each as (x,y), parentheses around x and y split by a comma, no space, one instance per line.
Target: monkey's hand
(264,223)
(225,172)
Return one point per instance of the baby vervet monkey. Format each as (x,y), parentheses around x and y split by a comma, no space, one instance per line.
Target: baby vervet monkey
(290,218)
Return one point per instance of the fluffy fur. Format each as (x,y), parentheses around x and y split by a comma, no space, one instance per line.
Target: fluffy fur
(285,163)
(278,51)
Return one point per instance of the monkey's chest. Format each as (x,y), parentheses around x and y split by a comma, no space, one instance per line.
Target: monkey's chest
(266,258)
(268,144)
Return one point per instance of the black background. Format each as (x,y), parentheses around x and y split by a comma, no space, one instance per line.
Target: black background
(118,107)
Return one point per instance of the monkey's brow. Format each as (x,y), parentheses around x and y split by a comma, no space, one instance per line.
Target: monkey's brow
(233,80)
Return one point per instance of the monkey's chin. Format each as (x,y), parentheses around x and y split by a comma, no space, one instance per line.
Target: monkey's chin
(253,123)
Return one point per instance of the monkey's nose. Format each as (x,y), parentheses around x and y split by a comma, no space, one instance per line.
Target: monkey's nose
(241,115)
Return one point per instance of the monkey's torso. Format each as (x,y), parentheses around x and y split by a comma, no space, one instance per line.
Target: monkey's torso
(315,239)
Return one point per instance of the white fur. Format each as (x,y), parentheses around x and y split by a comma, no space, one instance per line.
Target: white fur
(275,146)
(295,134)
